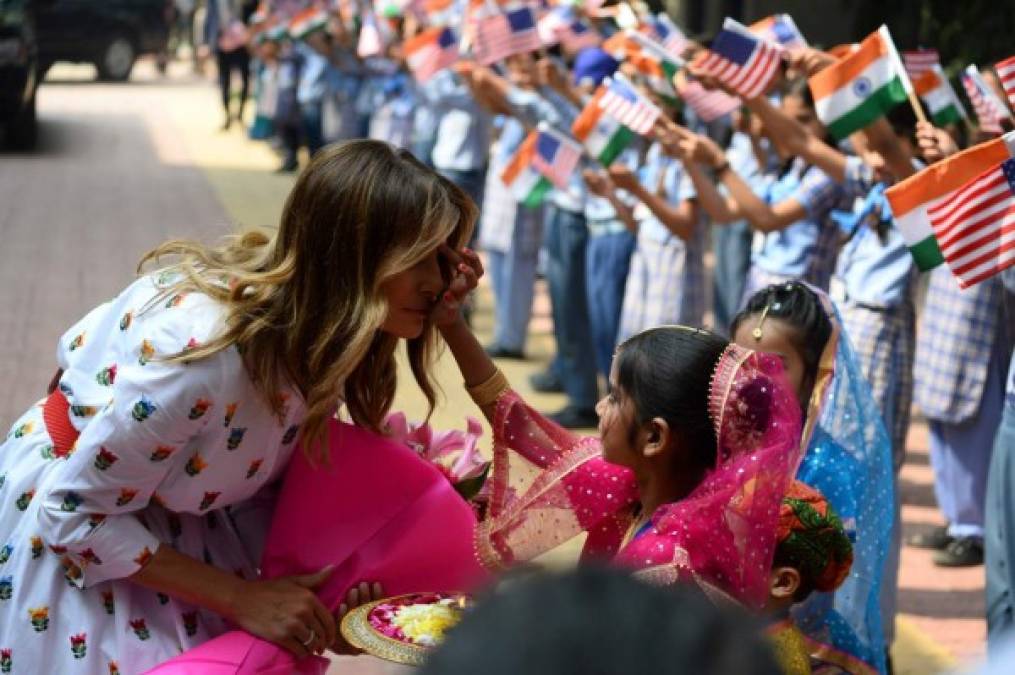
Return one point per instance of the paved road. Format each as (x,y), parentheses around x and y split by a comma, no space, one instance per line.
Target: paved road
(76,216)
(123,167)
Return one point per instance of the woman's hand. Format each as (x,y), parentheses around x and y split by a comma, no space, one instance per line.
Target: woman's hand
(357,595)
(467,269)
(287,612)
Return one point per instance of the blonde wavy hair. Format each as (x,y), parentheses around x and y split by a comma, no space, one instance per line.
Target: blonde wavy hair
(305,306)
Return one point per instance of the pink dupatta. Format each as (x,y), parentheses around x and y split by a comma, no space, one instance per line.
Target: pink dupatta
(550,486)
(377,512)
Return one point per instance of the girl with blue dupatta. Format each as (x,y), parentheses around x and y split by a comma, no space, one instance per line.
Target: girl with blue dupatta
(848,458)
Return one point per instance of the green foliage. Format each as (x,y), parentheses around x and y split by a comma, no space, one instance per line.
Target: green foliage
(963,31)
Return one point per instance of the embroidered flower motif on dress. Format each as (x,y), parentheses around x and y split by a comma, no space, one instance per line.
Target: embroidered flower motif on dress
(199,408)
(195,465)
(25,499)
(190,623)
(209,499)
(23,430)
(161,453)
(176,300)
(254,467)
(71,502)
(230,413)
(126,496)
(143,409)
(105,459)
(235,437)
(6,661)
(144,557)
(145,352)
(107,376)
(126,320)
(39,616)
(37,547)
(78,645)
(77,342)
(6,587)
(107,602)
(140,627)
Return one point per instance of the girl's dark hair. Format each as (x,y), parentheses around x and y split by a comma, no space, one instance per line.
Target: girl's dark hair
(666,372)
(799,307)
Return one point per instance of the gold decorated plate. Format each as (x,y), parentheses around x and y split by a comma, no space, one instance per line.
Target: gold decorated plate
(405,628)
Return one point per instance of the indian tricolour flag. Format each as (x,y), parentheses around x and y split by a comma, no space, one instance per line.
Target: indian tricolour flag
(936,91)
(603,137)
(526,184)
(911,199)
(861,87)
(654,63)
(306,22)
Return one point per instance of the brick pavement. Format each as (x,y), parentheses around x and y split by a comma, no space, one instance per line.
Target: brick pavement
(124,166)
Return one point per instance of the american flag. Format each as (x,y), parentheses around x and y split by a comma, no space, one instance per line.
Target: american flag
(919,61)
(741,61)
(621,101)
(708,105)
(989,108)
(561,25)
(1006,73)
(556,155)
(506,33)
(666,32)
(431,51)
(975,226)
(780,29)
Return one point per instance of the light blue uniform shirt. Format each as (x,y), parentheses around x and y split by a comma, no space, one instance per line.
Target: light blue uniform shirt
(1008,277)
(463,126)
(313,83)
(676,186)
(875,273)
(600,215)
(805,249)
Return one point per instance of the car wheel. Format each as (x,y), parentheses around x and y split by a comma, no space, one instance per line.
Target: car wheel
(117,59)
(22,132)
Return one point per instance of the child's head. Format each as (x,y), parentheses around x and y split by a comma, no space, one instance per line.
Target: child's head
(813,552)
(521,70)
(656,415)
(790,321)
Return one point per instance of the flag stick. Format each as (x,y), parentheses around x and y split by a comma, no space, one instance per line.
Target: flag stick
(917,108)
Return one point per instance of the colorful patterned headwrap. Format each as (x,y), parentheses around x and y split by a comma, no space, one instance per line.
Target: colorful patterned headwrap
(811,538)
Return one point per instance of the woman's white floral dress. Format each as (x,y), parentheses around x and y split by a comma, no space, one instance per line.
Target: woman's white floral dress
(181,454)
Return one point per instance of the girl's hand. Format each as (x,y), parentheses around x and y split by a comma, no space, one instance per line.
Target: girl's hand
(935,144)
(357,595)
(599,182)
(287,612)
(467,269)
(623,177)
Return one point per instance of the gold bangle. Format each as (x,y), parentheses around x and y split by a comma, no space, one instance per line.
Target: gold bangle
(488,392)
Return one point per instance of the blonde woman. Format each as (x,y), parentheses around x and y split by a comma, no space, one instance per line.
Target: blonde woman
(133,499)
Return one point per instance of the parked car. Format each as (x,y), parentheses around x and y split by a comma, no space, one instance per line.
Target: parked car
(109,33)
(18,74)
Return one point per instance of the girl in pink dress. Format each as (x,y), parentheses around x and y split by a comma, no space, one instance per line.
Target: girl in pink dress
(698,441)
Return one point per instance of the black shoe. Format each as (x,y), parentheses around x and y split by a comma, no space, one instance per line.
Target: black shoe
(573,417)
(288,167)
(962,552)
(498,352)
(937,539)
(546,382)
